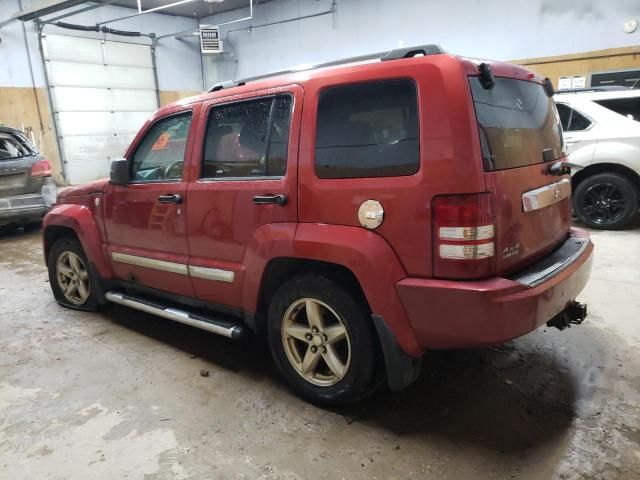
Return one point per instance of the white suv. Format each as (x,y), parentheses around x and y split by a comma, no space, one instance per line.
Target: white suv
(602,132)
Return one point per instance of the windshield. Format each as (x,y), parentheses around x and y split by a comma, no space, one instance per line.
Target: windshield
(517,122)
(14,145)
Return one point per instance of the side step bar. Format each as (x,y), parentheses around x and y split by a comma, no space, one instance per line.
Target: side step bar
(213,325)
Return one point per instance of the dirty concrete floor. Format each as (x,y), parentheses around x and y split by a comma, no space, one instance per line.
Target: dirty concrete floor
(119,395)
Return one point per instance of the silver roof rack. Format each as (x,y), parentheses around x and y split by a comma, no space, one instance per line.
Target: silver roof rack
(604,88)
(396,54)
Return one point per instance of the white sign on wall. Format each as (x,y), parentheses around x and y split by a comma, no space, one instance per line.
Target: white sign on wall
(577,81)
(564,83)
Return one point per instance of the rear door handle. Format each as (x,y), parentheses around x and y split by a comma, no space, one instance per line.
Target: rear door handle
(171,198)
(270,199)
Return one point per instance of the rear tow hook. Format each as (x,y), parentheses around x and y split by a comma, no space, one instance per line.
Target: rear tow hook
(573,314)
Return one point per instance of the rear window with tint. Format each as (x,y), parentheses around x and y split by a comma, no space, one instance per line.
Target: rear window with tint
(517,122)
(368,130)
(627,107)
(13,145)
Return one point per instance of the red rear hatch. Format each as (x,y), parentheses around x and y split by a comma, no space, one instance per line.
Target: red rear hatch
(521,137)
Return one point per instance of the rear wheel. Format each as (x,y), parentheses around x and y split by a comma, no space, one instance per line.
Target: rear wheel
(71,280)
(321,341)
(606,201)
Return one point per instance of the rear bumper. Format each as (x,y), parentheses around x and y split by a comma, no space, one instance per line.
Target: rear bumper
(22,208)
(465,314)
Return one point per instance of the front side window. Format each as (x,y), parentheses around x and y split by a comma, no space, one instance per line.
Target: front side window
(627,107)
(368,130)
(248,139)
(160,155)
(571,119)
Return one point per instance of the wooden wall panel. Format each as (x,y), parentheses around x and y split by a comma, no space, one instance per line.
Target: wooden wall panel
(19,109)
(583,63)
(167,97)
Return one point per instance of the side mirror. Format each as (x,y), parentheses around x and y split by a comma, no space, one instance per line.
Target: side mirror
(119,174)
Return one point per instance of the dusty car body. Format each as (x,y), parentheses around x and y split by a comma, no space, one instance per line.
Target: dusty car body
(27,189)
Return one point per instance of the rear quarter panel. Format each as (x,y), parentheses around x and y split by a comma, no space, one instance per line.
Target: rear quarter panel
(449,158)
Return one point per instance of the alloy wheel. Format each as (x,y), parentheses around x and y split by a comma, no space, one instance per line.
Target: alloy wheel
(73,278)
(316,342)
(604,203)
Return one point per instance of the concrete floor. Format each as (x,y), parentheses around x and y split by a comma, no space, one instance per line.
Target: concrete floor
(119,395)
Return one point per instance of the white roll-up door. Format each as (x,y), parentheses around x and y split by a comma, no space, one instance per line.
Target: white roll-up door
(102,92)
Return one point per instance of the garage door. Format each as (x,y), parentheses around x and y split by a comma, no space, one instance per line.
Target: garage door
(102,92)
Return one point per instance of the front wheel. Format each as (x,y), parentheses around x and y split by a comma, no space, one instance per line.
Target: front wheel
(72,282)
(321,341)
(606,201)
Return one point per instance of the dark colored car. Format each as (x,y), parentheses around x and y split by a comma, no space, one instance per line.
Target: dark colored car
(27,189)
(356,214)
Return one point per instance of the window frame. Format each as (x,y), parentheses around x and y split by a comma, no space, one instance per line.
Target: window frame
(573,109)
(206,114)
(414,82)
(130,158)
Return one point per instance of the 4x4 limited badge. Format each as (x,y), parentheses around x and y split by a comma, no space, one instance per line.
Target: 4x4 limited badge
(511,251)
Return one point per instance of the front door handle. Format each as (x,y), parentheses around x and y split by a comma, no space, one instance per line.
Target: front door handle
(270,199)
(171,198)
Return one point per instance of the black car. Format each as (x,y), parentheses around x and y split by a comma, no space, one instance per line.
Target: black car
(27,189)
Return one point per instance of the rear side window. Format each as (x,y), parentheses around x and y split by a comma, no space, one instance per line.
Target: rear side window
(571,119)
(14,146)
(368,130)
(627,107)
(248,139)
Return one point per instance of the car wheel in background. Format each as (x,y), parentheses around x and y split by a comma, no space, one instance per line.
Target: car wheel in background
(606,201)
(72,281)
(322,341)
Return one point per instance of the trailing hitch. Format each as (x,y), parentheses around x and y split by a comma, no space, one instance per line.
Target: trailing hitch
(573,314)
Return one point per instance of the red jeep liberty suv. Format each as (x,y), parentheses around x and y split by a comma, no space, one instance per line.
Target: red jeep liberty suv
(357,213)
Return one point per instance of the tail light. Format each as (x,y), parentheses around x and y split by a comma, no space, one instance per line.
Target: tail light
(463,236)
(41,169)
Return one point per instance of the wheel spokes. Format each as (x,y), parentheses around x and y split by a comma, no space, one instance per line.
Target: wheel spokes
(316,341)
(314,314)
(65,270)
(333,361)
(335,333)
(73,277)
(83,291)
(297,331)
(70,289)
(75,263)
(310,361)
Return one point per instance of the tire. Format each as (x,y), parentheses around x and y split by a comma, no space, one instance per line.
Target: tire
(345,337)
(606,201)
(87,294)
